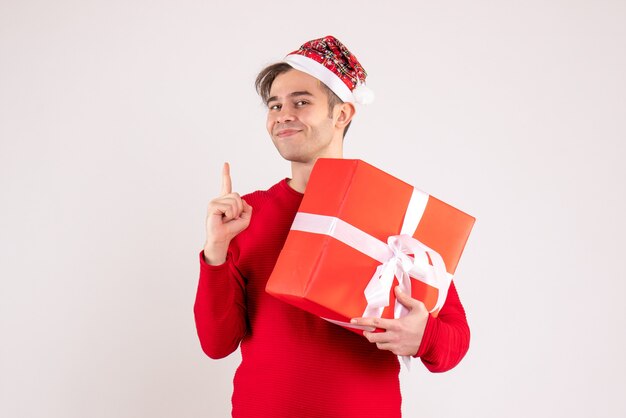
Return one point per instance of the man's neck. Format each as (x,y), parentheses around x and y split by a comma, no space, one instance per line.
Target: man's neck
(300,173)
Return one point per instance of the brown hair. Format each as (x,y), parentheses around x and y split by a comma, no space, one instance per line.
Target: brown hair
(266,77)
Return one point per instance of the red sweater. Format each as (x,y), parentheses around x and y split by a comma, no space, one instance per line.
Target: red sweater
(295,364)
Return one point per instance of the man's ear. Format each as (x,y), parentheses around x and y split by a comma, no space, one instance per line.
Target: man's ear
(345,113)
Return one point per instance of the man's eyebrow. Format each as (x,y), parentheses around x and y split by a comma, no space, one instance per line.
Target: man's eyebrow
(293,94)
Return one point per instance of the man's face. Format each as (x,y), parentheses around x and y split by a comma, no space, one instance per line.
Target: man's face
(298,119)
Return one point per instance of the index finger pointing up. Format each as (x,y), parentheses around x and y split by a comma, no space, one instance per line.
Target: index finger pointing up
(226,181)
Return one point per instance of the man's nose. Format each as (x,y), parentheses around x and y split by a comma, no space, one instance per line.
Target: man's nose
(284,115)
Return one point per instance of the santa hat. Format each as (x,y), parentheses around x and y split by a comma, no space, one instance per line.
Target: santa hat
(329,61)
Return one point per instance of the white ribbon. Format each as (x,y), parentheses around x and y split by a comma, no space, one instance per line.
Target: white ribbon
(402,266)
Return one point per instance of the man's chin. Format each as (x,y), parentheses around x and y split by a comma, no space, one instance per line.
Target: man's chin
(294,158)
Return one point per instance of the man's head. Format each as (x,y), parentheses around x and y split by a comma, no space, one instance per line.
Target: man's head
(310,98)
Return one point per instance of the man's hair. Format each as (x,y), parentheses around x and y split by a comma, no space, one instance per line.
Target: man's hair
(266,77)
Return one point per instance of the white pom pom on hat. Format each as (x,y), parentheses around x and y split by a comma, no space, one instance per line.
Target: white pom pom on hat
(333,64)
(363,94)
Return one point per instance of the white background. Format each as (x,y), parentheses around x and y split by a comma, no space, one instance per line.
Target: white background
(115,118)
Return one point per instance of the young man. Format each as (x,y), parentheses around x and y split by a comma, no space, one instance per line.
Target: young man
(295,364)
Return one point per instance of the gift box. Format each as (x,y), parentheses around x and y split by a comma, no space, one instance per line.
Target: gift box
(359,232)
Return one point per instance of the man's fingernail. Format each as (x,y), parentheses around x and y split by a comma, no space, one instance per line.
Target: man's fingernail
(353,321)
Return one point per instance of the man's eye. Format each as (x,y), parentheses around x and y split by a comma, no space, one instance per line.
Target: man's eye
(301,103)
(275,107)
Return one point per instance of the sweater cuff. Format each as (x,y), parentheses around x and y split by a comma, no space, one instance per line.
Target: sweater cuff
(428,337)
(209,267)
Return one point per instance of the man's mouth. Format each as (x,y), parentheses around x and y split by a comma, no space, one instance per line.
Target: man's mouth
(287,132)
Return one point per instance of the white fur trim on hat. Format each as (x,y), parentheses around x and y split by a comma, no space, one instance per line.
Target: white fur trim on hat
(323,74)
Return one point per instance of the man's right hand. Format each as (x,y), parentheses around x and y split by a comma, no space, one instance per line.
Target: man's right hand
(227,216)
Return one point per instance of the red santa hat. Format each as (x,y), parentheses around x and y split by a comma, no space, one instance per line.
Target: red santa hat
(333,64)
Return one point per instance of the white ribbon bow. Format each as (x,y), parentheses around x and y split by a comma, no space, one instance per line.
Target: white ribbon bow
(403,266)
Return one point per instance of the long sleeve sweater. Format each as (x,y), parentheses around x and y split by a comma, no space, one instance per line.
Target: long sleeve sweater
(295,364)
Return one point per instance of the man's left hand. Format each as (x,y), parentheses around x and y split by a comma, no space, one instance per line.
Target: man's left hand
(401,336)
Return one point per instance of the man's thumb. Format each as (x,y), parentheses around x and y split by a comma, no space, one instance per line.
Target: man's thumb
(406,299)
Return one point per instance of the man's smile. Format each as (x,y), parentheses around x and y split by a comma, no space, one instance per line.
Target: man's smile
(282,133)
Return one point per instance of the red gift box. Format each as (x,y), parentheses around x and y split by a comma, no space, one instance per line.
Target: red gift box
(358,232)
